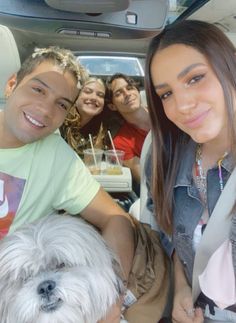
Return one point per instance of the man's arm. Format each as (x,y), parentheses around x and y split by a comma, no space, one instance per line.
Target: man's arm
(115,226)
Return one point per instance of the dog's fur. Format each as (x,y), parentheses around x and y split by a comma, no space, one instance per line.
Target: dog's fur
(56,270)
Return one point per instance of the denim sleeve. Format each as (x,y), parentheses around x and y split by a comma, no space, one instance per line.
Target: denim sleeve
(164,238)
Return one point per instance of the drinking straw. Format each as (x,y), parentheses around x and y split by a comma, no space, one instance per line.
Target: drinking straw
(94,157)
(113,147)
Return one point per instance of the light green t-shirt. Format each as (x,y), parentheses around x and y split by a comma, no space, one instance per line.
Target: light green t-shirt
(39,178)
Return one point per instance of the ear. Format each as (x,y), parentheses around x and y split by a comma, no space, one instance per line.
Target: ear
(112,107)
(10,86)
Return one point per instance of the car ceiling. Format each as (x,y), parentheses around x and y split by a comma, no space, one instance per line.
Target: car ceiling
(214,11)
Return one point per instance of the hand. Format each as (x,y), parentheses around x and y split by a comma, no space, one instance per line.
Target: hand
(183,310)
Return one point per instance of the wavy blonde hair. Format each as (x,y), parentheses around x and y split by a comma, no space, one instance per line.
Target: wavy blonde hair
(71,128)
(61,57)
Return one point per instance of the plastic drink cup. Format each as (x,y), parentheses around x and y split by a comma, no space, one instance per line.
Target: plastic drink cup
(93,160)
(114,160)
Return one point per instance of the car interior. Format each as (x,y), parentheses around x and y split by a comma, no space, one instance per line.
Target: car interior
(107,36)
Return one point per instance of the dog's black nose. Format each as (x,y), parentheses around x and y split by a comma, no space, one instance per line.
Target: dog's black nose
(46,287)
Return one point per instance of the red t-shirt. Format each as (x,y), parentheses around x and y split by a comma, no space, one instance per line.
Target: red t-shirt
(130,139)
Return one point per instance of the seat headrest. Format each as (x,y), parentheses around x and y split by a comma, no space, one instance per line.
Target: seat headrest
(143,97)
(9,57)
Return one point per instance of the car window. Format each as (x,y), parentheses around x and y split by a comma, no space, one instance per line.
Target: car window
(177,8)
(109,65)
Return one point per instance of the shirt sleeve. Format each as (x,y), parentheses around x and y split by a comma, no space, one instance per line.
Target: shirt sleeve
(74,186)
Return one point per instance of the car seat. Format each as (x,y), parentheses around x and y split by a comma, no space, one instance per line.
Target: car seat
(9,60)
(143,97)
(139,208)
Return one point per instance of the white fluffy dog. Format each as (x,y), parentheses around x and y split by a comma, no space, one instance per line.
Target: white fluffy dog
(56,270)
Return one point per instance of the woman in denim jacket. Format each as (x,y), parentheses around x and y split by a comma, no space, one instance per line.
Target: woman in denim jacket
(190,84)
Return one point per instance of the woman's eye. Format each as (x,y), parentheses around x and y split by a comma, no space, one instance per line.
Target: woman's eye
(165,95)
(101,95)
(196,79)
(37,89)
(87,90)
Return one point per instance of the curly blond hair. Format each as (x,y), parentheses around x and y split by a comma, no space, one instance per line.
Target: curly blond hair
(61,57)
(71,128)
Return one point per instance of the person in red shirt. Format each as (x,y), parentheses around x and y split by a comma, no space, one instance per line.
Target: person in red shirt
(124,97)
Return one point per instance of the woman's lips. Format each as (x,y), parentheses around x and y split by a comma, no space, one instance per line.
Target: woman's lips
(196,121)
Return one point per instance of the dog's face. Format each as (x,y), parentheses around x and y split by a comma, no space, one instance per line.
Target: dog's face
(57,270)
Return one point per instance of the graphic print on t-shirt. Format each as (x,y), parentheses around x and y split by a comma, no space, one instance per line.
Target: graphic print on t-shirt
(11,190)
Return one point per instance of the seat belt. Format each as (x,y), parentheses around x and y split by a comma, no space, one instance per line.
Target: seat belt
(216,231)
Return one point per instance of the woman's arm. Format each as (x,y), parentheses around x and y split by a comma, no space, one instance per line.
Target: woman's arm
(183,310)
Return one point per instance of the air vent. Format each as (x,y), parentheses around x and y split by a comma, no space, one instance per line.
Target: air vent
(85,33)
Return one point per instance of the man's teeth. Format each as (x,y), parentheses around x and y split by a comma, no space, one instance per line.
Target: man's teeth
(34,121)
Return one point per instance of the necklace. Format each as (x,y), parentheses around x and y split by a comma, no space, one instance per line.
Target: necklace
(201,178)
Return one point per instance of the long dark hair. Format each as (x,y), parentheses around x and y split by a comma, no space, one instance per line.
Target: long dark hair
(167,139)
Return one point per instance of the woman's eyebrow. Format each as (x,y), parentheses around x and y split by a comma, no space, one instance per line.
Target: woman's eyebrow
(160,86)
(188,69)
(184,72)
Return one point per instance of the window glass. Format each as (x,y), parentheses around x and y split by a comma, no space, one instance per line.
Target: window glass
(108,65)
(177,7)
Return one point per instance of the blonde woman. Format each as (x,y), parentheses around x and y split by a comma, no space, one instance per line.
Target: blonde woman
(86,117)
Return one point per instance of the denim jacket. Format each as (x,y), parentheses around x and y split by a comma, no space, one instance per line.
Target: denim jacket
(188,207)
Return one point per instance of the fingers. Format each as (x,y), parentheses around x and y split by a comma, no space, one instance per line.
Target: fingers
(199,317)
(184,315)
(190,312)
(188,316)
